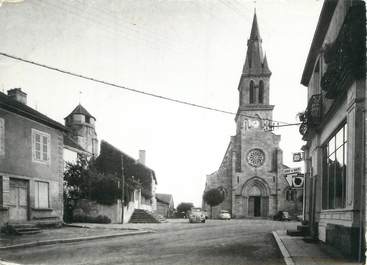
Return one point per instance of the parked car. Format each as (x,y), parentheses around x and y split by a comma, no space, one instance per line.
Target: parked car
(206,214)
(281,216)
(224,215)
(196,215)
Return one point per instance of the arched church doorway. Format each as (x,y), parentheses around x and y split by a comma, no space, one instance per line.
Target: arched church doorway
(257,194)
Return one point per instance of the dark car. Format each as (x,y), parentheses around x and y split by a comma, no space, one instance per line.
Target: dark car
(281,216)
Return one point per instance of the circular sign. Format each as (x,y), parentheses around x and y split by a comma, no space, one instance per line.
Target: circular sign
(255,157)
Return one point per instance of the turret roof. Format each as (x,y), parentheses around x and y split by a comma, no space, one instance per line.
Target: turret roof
(81,110)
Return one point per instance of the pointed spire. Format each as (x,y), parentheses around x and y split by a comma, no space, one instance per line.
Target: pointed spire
(255,33)
(266,69)
(256,63)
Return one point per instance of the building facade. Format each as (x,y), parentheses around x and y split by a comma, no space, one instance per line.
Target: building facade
(165,205)
(31,162)
(251,170)
(333,126)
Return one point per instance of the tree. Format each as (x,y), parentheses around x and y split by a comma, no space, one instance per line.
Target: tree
(76,185)
(82,180)
(184,207)
(214,197)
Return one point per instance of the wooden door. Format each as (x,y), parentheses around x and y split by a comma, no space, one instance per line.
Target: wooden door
(264,206)
(257,206)
(18,192)
(251,203)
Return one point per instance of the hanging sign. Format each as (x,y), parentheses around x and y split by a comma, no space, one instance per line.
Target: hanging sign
(298,157)
(287,171)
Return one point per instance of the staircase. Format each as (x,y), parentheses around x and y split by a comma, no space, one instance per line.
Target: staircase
(143,216)
(20,229)
(31,227)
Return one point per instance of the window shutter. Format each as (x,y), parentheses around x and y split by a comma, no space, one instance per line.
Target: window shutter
(33,145)
(2,136)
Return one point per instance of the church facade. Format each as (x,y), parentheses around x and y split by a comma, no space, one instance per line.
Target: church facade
(251,170)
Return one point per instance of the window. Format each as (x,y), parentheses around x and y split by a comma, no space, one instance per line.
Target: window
(291,195)
(261,92)
(2,137)
(41,194)
(335,170)
(40,146)
(252,92)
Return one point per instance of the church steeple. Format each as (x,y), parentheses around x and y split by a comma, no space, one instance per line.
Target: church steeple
(255,33)
(254,96)
(256,63)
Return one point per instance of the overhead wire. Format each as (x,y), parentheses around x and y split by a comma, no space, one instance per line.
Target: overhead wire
(175,100)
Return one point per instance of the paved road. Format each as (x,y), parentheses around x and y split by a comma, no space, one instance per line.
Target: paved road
(215,242)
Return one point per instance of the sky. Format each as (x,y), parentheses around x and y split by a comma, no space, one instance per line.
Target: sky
(192,50)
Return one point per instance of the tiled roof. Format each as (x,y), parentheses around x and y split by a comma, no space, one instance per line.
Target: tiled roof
(19,108)
(68,142)
(165,198)
(81,110)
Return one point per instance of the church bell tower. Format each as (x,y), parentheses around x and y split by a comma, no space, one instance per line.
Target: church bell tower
(254,110)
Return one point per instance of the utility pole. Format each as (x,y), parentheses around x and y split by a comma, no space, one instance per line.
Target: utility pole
(122,189)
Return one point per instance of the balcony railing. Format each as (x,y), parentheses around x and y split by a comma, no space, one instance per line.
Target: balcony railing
(311,118)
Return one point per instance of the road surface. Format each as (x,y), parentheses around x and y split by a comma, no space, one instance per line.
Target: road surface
(175,243)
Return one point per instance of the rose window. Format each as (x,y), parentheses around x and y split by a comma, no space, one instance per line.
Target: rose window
(255,157)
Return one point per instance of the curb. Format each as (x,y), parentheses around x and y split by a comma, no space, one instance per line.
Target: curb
(71,240)
(99,227)
(287,258)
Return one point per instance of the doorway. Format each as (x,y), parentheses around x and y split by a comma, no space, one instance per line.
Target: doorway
(254,206)
(18,210)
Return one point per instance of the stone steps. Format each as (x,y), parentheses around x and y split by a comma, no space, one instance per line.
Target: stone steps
(31,227)
(20,229)
(144,216)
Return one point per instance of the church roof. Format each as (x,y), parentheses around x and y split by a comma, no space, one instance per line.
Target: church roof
(81,110)
(256,63)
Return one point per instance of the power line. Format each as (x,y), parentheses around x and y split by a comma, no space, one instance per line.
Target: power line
(132,89)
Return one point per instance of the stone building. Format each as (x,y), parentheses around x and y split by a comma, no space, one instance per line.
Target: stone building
(251,170)
(334,127)
(81,125)
(139,184)
(31,163)
(165,205)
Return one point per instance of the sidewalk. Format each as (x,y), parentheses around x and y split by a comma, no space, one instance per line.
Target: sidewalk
(298,252)
(66,234)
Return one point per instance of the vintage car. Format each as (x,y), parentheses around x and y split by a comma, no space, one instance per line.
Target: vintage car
(224,215)
(196,215)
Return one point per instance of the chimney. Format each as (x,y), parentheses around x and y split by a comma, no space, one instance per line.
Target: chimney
(18,95)
(142,156)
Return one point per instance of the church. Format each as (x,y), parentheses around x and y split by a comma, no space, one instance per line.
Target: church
(251,170)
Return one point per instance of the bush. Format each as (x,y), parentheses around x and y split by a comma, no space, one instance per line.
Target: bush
(100,219)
